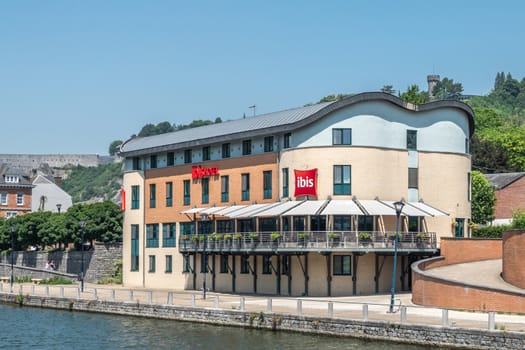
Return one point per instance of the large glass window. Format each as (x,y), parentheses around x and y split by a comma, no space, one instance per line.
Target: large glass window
(134,247)
(342,136)
(285,182)
(412,139)
(246,147)
(225,150)
(168,235)
(245,187)
(3,198)
(169,194)
(412,177)
(151,263)
(205,153)
(187,228)
(135,197)
(135,163)
(267,264)
(342,223)
(153,161)
(245,264)
(225,188)
(365,223)
(169,263)
(187,156)
(268,144)
(205,186)
(170,159)
(287,140)
(152,195)
(342,180)
(224,264)
(342,265)
(186,185)
(152,232)
(267,184)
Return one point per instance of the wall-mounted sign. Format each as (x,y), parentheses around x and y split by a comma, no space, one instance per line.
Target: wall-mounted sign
(305,182)
(198,172)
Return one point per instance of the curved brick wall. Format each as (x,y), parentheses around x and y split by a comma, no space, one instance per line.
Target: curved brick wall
(513,257)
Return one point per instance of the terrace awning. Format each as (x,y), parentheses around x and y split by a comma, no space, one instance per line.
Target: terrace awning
(277,210)
(342,207)
(306,208)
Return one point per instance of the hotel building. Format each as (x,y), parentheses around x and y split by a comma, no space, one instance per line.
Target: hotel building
(298,202)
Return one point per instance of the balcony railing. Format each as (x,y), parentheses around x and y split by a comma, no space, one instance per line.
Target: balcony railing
(308,241)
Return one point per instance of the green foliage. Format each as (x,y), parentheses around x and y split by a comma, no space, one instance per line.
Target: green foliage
(23,279)
(413,95)
(388,89)
(331,98)
(56,280)
(114,147)
(483,199)
(85,183)
(518,219)
(489,231)
(117,274)
(446,88)
(160,128)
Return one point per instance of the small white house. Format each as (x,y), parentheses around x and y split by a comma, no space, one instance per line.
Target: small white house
(48,196)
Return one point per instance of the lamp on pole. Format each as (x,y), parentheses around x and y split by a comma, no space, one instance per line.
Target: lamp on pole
(83,226)
(204,262)
(12,253)
(59,206)
(398,206)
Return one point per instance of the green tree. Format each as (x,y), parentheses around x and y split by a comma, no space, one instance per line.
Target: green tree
(148,130)
(388,89)
(114,147)
(483,199)
(446,88)
(413,95)
(331,98)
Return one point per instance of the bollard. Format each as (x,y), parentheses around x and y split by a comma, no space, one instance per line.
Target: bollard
(33,289)
(269,305)
(403,314)
(444,318)
(193,300)
(241,306)
(112,295)
(78,293)
(170,298)
(150,297)
(95,293)
(492,321)
(216,302)
(365,312)
(20,289)
(299,307)
(330,309)
(130,294)
(1,286)
(61,292)
(47,291)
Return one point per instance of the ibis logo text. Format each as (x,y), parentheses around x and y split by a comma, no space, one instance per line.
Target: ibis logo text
(305,182)
(198,172)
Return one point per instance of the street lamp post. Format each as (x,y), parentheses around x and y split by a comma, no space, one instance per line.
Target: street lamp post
(398,207)
(12,254)
(59,206)
(204,262)
(83,226)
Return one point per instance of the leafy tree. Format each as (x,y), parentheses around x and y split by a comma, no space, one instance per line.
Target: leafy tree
(164,127)
(114,147)
(85,183)
(148,130)
(331,98)
(483,199)
(413,95)
(490,157)
(446,88)
(388,89)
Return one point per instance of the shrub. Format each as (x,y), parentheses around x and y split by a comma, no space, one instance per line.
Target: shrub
(275,236)
(56,280)
(302,235)
(237,236)
(366,235)
(227,236)
(333,235)
(253,235)
(518,219)
(23,279)
(490,231)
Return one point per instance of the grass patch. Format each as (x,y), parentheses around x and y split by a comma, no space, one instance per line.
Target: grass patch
(56,280)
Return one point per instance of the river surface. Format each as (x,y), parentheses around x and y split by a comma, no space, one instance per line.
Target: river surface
(35,328)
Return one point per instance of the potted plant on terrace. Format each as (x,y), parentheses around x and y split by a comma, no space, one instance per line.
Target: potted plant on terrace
(274,236)
(302,238)
(254,239)
(334,238)
(365,238)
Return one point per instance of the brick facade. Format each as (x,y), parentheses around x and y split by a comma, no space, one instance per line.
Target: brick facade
(513,253)
(509,199)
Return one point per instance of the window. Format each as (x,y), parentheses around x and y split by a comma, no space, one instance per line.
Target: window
(365,223)
(170,159)
(136,163)
(268,144)
(286,265)
(152,240)
(168,234)
(412,177)
(342,180)
(3,198)
(224,226)
(267,264)
(151,263)
(245,187)
(342,265)
(169,263)
(19,199)
(186,263)
(245,264)
(225,188)
(341,136)
(187,228)
(342,223)
(204,263)
(246,147)
(287,138)
(467,146)
(412,139)
(469,185)
(134,247)
(169,194)
(186,185)
(205,186)
(152,195)
(153,161)
(187,156)
(285,182)
(12,179)
(267,184)
(225,150)
(205,153)
(224,264)
(135,197)
(10,214)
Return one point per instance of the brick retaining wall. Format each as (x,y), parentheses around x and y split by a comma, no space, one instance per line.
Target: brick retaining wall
(375,330)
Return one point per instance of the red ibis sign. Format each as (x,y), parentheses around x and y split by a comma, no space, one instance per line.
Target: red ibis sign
(198,172)
(305,182)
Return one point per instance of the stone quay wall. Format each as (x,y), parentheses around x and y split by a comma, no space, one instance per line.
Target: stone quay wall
(373,330)
(98,263)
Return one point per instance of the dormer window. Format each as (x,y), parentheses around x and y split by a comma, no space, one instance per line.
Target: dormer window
(13,179)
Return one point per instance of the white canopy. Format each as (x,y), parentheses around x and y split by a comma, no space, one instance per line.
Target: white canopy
(341,207)
(306,208)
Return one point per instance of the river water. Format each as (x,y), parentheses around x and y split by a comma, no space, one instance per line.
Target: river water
(35,328)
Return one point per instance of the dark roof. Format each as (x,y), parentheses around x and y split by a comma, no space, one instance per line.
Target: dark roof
(502,180)
(5,170)
(282,121)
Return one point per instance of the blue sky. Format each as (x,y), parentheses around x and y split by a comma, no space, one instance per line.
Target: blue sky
(76,75)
